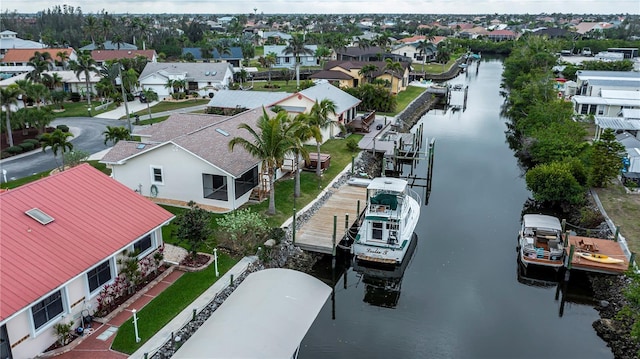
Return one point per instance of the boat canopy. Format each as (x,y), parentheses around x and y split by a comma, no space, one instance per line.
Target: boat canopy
(267,316)
(541,221)
(388,184)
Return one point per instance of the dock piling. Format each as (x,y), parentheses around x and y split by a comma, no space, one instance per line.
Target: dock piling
(293,230)
(333,237)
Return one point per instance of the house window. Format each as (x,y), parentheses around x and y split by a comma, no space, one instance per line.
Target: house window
(287,60)
(600,110)
(592,109)
(99,276)
(214,187)
(47,309)
(246,182)
(157,177)
(193,86)
(143,244)
(584,109)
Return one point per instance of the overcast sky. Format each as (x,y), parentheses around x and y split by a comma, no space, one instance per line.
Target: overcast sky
(336,6)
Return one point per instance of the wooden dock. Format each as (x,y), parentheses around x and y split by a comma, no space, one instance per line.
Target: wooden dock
(607,247)
(316,235)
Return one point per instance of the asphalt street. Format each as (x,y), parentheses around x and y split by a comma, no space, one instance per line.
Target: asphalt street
(89,139)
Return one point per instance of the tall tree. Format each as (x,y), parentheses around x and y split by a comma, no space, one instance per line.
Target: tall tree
(319,119)
(9,97)
(115,134)
(40,62)
(57,140)
(367,71)
(606,159)
(303,132)
(394,68)
(151,96)
(269,143)
(297,47)
(85,66)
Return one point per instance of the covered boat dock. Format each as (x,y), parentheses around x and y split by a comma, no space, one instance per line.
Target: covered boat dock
(267,316)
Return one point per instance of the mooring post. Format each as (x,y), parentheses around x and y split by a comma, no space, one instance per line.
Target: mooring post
(194,313)
(231,280)
(293,231)
(564,224)
(353,159)
(333,238)
(615,236)
(346,221)
(572,249)
(632,260)
(566,239)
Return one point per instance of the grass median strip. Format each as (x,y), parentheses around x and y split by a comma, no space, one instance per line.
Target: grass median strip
(162,309)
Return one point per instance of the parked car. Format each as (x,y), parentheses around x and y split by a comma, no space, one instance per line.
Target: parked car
(586,51)
(143,98)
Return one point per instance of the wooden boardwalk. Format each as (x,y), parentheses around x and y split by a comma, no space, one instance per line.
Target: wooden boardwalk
(316,234)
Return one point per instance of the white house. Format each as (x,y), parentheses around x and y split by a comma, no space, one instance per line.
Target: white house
(187,157)
(284,60)
(70,81)
(590,83)
(10,40)
(201,78)
(60,243)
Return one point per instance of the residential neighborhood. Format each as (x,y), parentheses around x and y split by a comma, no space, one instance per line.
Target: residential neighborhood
(233,130)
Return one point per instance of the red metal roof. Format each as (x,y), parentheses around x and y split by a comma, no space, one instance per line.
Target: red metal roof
(94,218)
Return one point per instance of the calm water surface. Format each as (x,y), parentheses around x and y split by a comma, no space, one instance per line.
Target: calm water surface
(460,296)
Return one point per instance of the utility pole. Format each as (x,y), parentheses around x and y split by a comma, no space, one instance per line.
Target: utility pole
(124,98)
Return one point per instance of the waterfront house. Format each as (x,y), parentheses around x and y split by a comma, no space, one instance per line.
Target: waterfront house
(187,158)
(60,243)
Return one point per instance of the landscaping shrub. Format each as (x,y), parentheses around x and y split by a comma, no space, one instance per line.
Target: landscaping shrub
(242,231)
(14,150)
(352,145)
(32,140)
(63,128)
(27,146)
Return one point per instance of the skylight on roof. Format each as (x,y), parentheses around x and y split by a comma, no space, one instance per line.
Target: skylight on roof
(222,132)
(39,215)
(140,146)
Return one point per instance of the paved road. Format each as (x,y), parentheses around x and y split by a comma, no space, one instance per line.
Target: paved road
(89,139)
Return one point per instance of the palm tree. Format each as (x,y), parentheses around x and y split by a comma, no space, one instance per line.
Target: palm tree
(170,85)
(9,97)
(115,134)
(322,53)
(383,40)
(40,62)
(23,89)
(422,47)
(39,93)
(270,60)
(303,132)
(270,144)
(444,54)
(297,47)
(85,65)
(117,40)
(64,57)
(222,48)
(52,82)
(151,96)
(57,140)
(367,71)
(319,119)
(393,67)
(91,26)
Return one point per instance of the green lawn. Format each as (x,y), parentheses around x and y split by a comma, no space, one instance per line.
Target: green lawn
(434,68)
(162,309)
(290,87)
(79,109)
(405,97)
(171,105)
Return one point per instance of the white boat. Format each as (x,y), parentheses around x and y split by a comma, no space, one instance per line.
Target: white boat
(390,218)
(540,241)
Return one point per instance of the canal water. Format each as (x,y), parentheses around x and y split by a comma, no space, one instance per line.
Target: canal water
(460,296)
